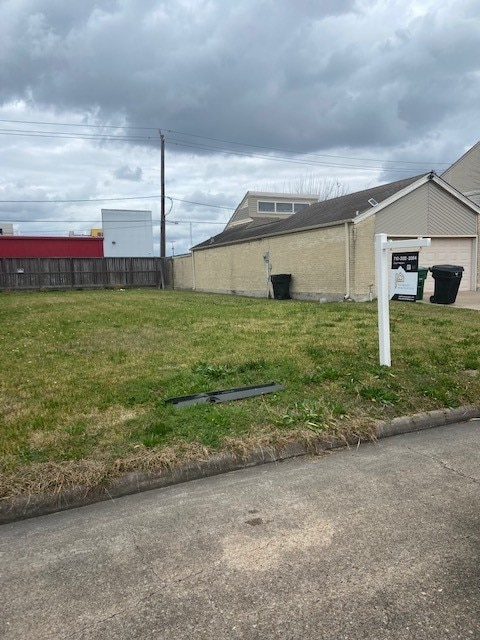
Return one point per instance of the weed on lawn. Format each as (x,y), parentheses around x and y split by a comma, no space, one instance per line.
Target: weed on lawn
(85,376)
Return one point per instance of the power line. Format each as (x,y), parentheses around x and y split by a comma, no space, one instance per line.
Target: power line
(68,136)
(194,222)
(282,159)
(182,143)
(230,142)
(79,200)
(72,124)
(201,204)
(196,145)
(132,224)
(319,155)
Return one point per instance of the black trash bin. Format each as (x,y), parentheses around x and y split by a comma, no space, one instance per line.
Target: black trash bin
(281,286)
(447,280)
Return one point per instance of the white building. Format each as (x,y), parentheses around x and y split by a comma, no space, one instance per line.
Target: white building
(6,229)
(127,233)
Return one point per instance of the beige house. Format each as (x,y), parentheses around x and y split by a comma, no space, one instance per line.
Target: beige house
(328,247)
(464,174)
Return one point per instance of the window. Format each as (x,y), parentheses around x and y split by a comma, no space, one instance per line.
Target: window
(266,207)
(281,207)
(298,206)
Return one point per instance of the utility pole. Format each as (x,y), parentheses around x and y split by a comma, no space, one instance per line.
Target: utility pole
(162,197)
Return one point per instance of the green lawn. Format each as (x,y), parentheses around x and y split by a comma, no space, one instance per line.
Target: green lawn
(85,375)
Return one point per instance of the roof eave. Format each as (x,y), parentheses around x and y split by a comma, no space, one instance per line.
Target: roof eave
(336,223)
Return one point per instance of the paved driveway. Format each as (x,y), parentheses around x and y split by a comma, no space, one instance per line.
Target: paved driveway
(464,300)
(380,542)
(468,300)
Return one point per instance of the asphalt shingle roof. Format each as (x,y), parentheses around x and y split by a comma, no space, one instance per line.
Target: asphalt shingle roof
(335,210)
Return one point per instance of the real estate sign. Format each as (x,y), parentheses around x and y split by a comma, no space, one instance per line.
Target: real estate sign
(404,276)
(383,247)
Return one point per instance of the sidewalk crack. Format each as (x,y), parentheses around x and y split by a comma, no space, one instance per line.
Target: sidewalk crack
(443,464)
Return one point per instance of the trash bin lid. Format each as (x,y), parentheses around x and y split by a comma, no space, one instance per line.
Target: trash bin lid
(451,268)
(281,276)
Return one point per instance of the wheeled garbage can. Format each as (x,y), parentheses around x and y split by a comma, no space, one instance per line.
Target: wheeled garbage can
(422,276)
(447,280)
(281,286)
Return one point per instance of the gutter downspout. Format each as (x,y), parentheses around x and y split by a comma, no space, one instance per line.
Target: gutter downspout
(347,262)
(194,284)
(475,263)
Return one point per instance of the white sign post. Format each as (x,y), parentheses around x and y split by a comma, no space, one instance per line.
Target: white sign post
(382,248)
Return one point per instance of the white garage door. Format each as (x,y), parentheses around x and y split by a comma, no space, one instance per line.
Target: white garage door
(449,251)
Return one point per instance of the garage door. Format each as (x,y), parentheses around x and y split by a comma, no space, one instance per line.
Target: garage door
(449,251)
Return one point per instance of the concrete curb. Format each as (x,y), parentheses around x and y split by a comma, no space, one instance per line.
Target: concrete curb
(30,506)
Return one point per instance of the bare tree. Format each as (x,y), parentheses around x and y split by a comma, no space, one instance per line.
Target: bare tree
(323,188)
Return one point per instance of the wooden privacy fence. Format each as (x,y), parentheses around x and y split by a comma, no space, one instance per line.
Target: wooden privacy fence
(79,273)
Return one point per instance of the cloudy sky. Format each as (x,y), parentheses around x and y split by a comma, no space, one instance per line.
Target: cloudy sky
(250,95)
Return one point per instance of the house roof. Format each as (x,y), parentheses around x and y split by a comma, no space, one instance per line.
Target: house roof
(333,211)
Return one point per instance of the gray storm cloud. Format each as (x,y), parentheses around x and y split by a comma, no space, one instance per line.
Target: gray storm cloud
(306,75)
(374,90)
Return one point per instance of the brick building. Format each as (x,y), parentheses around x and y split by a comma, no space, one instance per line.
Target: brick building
(328,247)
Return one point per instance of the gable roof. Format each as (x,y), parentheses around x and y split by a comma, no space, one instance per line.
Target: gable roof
(334,211)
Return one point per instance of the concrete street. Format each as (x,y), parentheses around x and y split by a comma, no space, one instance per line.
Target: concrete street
(379,542)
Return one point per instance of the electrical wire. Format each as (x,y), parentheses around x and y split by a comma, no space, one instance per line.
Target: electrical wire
(96,221)
(131,225)
(216,149)
(77,200)
(229,142)
(72,124)
(68,136)
(273,158)
(201,204)
(319,155)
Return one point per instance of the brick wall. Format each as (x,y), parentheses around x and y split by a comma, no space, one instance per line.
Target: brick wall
(362,259)
(316,260)
(183,272)
(477,244)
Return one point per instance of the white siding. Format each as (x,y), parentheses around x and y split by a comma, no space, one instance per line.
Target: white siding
(127,234)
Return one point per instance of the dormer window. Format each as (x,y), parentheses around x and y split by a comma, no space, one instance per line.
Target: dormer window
(266,207)
(280,207)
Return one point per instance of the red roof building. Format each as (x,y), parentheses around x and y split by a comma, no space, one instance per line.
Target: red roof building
(50,247)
